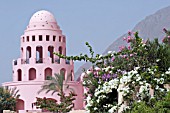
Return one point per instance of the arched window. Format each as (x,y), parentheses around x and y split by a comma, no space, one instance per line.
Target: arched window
(63,72)
(32,74)
(39,54)
(64,39)
(48,72)
(50,53)
(54,37)
(33,38)
(59,38)
(60,50)
(47,37)
(21,52)
(72,74)
(27,38)
(22,39)
(28,54)
(19,104)
(19,71)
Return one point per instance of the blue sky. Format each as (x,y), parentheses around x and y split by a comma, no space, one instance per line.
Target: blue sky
(98,22)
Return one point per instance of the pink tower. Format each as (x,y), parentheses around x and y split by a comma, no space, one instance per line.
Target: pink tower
(41,38)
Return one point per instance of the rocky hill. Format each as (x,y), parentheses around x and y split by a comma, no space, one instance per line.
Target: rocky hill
(149,28)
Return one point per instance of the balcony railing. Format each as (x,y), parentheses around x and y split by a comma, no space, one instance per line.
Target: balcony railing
(40,60)
(57,60)
(25,61)
(67,61)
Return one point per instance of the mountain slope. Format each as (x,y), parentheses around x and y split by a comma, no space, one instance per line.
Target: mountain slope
(149,28)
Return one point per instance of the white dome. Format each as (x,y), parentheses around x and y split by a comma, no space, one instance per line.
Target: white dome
(42,16)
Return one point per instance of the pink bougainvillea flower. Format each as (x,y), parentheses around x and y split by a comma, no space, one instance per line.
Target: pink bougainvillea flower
(124,38)
(121,48)
(129,47)
(163,40)
(131,55)
(129,32)
(128,39)
(165,30)
(113,59)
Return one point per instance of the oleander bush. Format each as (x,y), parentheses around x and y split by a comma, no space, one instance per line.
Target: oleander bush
(137,72)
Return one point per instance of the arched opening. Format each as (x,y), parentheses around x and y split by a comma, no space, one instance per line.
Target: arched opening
(19,71)
(39,54)
(20,104)
(63,72)
(21,52)
(50,53)
(27,38)
(48,72)
(32,74)
(64,39)
(33,38)
(22,39)
(60,50)
(59,38)
(47,37)
(28,54)
(54,37)
(72,74)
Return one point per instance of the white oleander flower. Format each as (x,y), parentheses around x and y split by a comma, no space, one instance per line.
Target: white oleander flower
(88,72)
(161,89)
(125,79)
(88,99)
(100,56)
(107,68)
(97,68)
(141,83)
(144,88)
(109,52)
(136,68)
(157,87)
(138,79)
(126,107)
(168,72)
(84,83)
(114,108)
(161,80)
(95,108)
(157,60)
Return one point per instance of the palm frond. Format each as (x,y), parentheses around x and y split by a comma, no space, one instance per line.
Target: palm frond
(54,83)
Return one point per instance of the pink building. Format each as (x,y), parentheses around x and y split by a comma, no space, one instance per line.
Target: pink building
(41,38)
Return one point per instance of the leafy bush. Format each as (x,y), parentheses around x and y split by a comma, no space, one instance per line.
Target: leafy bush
(138,72)
(8,98)
(162,106)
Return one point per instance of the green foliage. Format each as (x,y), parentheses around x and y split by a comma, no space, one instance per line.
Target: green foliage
(8,98)
(56,85)
(53,83)
(150,57)
(51,105)
(162,106)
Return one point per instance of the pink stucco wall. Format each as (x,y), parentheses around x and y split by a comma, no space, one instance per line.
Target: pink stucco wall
(41,38)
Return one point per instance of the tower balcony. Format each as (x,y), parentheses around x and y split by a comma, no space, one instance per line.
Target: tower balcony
(48,60)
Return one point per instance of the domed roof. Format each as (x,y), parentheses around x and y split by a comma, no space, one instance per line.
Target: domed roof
(42,16)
